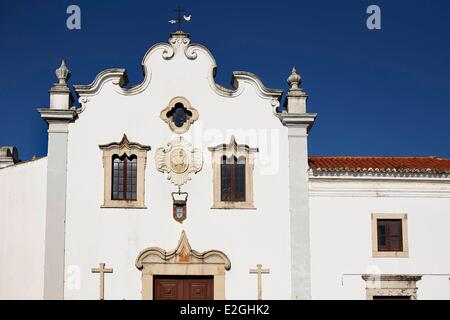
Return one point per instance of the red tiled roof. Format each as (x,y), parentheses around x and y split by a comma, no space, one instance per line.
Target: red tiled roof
(380,164)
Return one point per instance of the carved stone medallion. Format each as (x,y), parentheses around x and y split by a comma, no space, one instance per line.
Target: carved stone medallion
(179,159)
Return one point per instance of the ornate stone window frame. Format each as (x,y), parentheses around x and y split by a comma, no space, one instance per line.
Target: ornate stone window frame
(128,148)
(182,261)
(187,123)
(236,150)
(391,285)
(390,254)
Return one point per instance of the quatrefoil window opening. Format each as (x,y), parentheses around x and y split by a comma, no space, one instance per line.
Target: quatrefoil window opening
(179,115)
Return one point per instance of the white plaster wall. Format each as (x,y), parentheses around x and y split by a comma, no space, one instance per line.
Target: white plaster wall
(341,234)
(22,224)
(116,236)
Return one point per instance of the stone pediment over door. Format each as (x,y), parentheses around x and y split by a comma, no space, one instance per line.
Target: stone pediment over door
(182,261)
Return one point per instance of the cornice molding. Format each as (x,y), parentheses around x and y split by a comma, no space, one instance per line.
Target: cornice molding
(118,75)
(391,277)
(357,193)
(59,89)
(293,120)
(58,115)
(332,186)
(256,81)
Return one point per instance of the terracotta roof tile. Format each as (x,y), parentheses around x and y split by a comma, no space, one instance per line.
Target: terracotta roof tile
(380,164)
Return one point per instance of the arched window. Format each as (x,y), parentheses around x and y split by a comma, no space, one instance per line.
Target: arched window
(232,178)
(124,177)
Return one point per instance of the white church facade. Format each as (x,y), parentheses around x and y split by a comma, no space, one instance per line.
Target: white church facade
(159,191)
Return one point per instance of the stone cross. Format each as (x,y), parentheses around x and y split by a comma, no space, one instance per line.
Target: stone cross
(102,270)
(259,271)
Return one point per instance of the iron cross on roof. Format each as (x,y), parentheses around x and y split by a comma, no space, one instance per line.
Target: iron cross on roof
(180,18)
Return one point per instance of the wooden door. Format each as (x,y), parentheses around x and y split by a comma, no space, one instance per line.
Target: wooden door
(183,288)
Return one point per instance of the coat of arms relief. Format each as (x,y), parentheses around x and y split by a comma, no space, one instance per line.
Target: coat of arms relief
(179,159)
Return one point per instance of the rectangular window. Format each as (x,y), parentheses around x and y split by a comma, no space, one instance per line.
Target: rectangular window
(233,166)
(389,234)
(232,178)
(124,170)
(124,178)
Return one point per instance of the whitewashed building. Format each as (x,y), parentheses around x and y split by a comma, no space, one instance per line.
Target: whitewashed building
(179,188)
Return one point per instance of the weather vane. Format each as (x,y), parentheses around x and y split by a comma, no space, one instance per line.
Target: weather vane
(180,18)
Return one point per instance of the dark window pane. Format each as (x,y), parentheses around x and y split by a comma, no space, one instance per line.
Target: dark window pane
(239,182)
(395,227)
(225,179)
(381,235)
(396,244)
(233,179)
(117,162)
(124,178)
(389,232)
(179,116)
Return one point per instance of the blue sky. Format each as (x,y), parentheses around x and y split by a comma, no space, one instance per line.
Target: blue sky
(383,92)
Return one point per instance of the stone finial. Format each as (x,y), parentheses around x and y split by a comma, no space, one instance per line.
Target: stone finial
(296,97)
(62,73)
(294,79)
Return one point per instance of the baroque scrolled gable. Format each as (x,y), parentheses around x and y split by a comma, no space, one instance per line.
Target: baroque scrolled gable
(178,51)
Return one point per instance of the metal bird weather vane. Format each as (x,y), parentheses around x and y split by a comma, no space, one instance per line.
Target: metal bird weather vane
(180,18)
